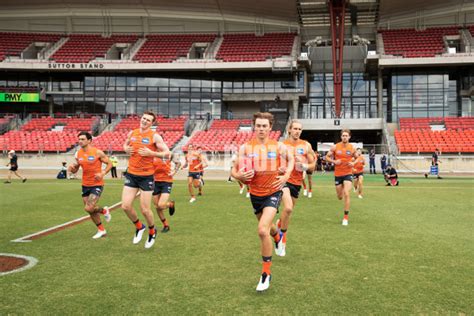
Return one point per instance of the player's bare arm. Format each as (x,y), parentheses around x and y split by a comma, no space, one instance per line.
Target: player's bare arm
(312,158)
(177,164)
(240,173)
(357,159)
(286,155)
(105,160)
(162,149)
(126,146)
(330,155)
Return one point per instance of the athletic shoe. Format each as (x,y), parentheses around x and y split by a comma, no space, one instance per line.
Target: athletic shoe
(360,196)
(310,195)
(150,241)
(200,193)
(247,195)
(426,175)
(107,214)
(305,192)
(171,208)
(99,234)
(229,180)
(278,244)
(264,282)
(165,229)
(193,199)
(7,182)
(24,180)
(281,247)
(138,235)
(241,191)
(345,222)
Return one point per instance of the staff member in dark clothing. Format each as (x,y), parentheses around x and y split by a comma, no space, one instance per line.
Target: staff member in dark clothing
(13,167)
(434,164)
(383,162)
(391,176)
(372,161)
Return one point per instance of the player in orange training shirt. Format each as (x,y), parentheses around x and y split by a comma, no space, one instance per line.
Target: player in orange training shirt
(305,160)
(341,155)
(142,144)
(260,164)
(90,159)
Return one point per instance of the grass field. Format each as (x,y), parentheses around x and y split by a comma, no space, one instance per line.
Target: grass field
(407,250)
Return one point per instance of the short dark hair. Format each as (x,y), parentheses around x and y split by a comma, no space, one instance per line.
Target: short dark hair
(263,115)
(87,134)
(148,112)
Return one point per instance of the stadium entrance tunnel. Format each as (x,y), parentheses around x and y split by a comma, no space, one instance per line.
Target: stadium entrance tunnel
(369,137)
(11,263)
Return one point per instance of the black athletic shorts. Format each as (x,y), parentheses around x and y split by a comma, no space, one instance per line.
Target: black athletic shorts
(162,187)
(195,175)
(96,190)
(294,189)
(13,167)
(357,175)
(144,183)
(260,202)
(340,180)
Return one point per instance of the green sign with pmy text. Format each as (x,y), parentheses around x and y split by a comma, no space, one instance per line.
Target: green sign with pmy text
(19,97)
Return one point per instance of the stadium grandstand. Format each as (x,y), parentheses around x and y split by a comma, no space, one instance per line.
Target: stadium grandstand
(399,74)
(401,81)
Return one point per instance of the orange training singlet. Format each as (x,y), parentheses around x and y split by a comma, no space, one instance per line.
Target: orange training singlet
(139,165)
(264,159)
(300,149)
(194,162)
(91,164)
(344,153)
(359,166)
(162,170)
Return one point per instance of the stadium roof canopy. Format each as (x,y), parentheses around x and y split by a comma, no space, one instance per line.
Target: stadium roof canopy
(309,15)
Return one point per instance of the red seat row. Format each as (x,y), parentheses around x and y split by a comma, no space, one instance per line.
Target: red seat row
(450,141)
(411,43)
(223,140)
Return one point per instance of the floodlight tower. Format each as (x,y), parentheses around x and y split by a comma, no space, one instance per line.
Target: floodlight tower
(337,10)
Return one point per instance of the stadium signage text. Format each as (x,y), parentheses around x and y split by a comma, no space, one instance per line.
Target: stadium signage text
(75,66)
(19,97)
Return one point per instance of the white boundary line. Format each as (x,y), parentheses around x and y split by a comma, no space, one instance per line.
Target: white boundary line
(25,238)
(70,223)
(31,262)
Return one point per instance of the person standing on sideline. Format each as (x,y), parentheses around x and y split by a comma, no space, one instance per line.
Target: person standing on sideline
(359,174)
(142,144)
(260,164)
(305,160)
(372,161)
(163,184)
(341,155)
(383,162)
(90,159)
(13,167)
(114,161)
(435,164)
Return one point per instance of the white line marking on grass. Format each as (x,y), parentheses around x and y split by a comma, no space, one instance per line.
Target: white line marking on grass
(31,262)
(31,237)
